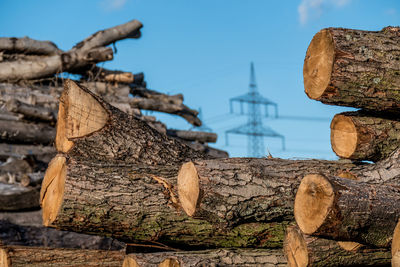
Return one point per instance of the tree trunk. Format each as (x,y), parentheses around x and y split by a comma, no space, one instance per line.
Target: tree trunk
(27,45)
(219,257)
(359,136)
(34,256)
(344,209)
(89,127)
(24,132)
(354,68)
(137,204)
(202,137)
(302,250)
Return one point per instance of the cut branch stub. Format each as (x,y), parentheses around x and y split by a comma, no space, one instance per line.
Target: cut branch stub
(188,188)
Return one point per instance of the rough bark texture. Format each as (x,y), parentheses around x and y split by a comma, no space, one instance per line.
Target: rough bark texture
(362,136)
(122,138)
(355,68)
(25,132)
(34,256)
(211,151)
(139,204)
(202,137)
(303,250)
(220,257)
(27,45)
(344,209)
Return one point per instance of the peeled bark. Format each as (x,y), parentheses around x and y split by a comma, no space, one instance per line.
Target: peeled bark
(27,45)
(89,127)
(24,132)
(219,257)
(344,209)
(36,256)
(202,137)
(361,136)
(302,250)
(137,204)
(354,68)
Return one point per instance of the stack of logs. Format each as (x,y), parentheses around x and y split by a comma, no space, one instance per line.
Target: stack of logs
(116,176)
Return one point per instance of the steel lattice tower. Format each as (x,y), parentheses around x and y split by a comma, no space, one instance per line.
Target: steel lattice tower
(254,128)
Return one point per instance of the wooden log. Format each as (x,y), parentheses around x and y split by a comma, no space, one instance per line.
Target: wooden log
(303,250)
(89,127)
(137,204)
(24,132)
(27,45)
(361,136)
(14,197)
(39,152)
(211,151)
(218,257)
(202,137)
(148,93)
(344,209)
(396,246)
(31,111)
(101,74)
(36,256)
(354,68)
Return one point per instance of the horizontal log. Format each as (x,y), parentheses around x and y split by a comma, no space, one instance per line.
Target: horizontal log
(344,209)
(31,111)
(37,256)
(39,152)
(211,151)
(140,206)
(95,73)
(27,45)
(89,127)
(219,257)
(202,137)
(354,68)
(148,93)
(14,197)
(302,250)
(24,132)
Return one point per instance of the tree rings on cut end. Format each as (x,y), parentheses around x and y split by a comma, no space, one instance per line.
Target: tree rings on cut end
(188,187)
(52,191)
(318,64)
(343,136)
(169,263)
(295,248)
(396,246)
(312,203)
(129,262)
(4,259)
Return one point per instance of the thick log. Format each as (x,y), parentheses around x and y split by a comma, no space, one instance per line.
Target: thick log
(31,111)
(89,127)
(396,246)
(24,132)
(219,257)
(202,137)
(354,68)
(27,45)
(137,204)
(303,250)
(344,209)
(361,136)
(35,256)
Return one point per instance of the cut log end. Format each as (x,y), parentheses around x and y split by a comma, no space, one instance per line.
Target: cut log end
(52,191)
(188,187)
(318,64)
(295,248)
(80,114)
(130,262)
(4,259)
(312,203)
(169,263)
(343,136)
(349,246)
(396,246)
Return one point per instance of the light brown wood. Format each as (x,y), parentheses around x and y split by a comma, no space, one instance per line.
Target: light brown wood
(343,136)
(169,263)
(396,246)
(349,246)
(312,203)
(295,249)
(318,64)
(4,260)
(188,188)
(129,262)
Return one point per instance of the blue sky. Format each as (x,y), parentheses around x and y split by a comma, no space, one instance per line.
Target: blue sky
(203,49)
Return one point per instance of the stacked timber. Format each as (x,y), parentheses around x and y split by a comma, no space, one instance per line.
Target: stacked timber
(357,69)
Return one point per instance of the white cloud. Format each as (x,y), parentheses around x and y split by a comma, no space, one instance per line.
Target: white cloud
(314,8)
(111,5)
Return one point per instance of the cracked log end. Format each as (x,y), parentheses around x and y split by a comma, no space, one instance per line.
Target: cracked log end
(349,246)
(295,248)
(130,262)
(343,136)
(4,259)
(188,187)
(318,64)
(52,192)
(79,114)
(313,201)
(396,246)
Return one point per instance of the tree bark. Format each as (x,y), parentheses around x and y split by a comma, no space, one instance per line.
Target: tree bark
(36,256)
(31,111)
(344,209)
(354,68)
(302,250)
(360,136)
(137,204)
(24,132)
(39,152)
(151,94)
(219,257)
(89,127)
(202,137)
(27,45)
(211,151)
